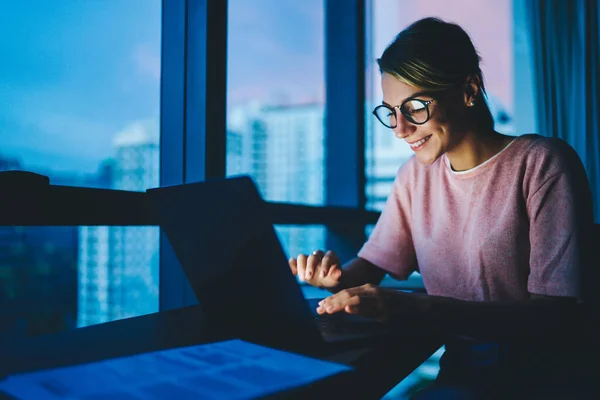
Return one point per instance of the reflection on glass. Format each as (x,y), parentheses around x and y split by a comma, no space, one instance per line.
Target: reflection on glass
(79,103)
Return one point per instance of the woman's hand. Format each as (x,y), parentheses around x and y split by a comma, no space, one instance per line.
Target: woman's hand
(319,269)
(373,302)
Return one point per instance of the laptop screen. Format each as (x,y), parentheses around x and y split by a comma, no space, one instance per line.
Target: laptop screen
(223,238)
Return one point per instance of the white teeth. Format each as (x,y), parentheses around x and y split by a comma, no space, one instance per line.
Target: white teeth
(420,142)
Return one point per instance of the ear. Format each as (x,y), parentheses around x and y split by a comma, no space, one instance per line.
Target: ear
(472,89)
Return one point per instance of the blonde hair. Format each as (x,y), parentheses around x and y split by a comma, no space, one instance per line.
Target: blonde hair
(436,56)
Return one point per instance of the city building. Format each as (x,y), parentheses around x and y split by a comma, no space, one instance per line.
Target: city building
(282,148)
(118,266)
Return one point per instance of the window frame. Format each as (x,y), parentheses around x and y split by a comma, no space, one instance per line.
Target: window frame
(193,107)
(193,147)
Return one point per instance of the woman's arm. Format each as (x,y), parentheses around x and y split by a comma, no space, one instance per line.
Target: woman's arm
(359,272)
(540,317)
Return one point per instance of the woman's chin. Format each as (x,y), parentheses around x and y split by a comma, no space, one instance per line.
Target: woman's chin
(427,158)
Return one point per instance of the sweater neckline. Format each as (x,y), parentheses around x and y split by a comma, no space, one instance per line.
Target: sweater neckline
(479,168)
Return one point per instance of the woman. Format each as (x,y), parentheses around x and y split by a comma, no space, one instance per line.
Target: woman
(495,224)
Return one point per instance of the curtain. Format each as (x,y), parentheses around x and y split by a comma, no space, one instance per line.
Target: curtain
(564,38)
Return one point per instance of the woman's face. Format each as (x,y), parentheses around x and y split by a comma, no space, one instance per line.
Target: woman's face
(440,133)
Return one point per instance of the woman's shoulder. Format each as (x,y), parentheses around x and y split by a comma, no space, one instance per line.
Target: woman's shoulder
(543,157)
(540,145)
(544,152)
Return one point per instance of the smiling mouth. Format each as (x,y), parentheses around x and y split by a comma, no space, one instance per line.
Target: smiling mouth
(419,143)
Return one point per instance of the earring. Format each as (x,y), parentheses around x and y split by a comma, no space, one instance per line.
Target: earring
(471,103)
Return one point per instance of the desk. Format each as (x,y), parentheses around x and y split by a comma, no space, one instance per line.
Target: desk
(378,368)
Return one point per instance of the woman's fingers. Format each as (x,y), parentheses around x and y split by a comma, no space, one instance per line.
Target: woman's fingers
(330,260)
(293,265)
(319,269)
(363,300)
(312,264)
(301,266)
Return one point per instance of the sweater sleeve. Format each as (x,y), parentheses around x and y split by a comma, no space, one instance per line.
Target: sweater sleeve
(390,245)
(560,218)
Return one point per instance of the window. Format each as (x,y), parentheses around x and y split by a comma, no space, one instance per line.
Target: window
(275,130)
(79,102)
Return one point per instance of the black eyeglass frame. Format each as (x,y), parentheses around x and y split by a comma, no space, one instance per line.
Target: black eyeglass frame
(395,109)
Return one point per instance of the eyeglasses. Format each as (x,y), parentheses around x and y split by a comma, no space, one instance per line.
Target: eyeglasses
(414,110)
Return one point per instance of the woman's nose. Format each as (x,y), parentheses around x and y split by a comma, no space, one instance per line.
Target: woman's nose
(403,127)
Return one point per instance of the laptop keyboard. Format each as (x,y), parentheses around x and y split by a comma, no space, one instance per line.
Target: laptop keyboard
(338,325)
(342,324)
(328,324)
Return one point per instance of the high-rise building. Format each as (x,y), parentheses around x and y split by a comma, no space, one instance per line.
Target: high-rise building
(295,168)
(245,142)
(118,265)
(283,149)
(295,153)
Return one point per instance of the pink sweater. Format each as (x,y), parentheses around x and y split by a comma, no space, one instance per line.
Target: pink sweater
(500,231)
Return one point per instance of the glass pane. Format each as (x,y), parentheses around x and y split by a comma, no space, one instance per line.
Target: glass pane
(79,103)
(275,97)
(275,105)
(118,273)
(297,239)
(492,37)
(38,280)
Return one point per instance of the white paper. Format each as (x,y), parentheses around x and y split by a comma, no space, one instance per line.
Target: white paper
(233,369)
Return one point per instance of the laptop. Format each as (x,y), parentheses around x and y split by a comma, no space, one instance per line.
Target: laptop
(222,235)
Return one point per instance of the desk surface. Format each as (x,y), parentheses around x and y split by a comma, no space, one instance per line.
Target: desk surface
(378,367)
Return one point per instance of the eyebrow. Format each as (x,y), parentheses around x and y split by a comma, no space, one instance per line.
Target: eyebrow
(412,96)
